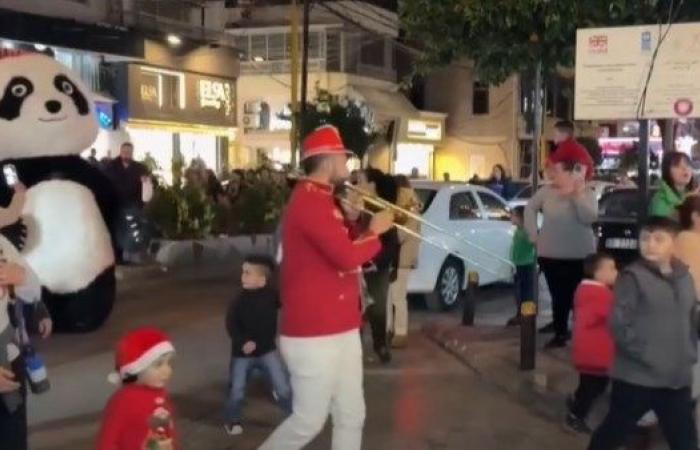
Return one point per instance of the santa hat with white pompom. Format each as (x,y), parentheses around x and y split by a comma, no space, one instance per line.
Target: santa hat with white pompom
(137,351)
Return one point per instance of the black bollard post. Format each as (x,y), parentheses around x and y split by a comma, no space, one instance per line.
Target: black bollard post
(470,299)
(528,333)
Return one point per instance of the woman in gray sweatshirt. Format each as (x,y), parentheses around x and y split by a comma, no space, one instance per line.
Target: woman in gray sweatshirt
(569,210)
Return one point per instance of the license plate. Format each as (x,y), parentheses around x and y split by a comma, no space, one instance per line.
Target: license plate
(621,243)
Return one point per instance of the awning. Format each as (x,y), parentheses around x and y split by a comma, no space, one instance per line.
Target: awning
(385,104)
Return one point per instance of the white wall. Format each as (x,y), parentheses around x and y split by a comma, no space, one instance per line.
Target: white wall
(450,91)
(81,10)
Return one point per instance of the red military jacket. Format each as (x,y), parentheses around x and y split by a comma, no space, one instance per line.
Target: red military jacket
(320,287)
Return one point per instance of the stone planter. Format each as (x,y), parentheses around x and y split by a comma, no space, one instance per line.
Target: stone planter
(210,251)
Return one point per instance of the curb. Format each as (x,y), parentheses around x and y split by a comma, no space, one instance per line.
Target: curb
(493,354)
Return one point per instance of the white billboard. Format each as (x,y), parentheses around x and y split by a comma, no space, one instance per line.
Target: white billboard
(612,66)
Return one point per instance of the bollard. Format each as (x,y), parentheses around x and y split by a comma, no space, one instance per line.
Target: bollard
(528,328)
(470,299)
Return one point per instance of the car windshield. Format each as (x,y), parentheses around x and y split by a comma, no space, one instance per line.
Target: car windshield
(426,197)
(620,204)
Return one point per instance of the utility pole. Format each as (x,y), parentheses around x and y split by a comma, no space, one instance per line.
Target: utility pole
(305,56)
(528,310)
(294,57)
(643,170)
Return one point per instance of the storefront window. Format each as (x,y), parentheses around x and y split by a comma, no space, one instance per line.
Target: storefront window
(199,146)
(411,156)
(157,143)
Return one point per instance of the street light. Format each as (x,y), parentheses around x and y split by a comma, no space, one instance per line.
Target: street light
(174,40)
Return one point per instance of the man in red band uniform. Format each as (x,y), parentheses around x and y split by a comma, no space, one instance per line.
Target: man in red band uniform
(321,318)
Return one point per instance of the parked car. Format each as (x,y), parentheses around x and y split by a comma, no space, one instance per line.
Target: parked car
(471,216)
(524,195)
(617,227)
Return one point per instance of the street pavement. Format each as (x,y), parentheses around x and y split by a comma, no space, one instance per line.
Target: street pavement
(425,400)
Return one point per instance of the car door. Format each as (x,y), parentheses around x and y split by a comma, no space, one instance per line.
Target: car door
(494,233)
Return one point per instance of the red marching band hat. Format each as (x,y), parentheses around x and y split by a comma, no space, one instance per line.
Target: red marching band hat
(137,351)
(324,140)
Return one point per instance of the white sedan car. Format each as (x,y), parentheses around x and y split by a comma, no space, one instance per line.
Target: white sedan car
(473,233)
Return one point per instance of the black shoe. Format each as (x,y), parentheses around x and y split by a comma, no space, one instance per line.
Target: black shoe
(384,355)
(547,329)
(576,425)
(556,342)
(513,321)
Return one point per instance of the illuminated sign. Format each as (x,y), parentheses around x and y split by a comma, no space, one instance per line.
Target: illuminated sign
(157,83)
(420,129)
(217,95)
(149,93)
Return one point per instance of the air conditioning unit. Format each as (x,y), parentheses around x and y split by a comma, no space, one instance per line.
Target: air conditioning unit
(251,121)
(252,107)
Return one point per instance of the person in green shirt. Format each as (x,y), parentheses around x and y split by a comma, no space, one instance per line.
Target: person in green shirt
(677,183)
(523,256)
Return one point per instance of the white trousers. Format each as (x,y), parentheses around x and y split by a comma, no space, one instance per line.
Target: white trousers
(326,378)
(398,304)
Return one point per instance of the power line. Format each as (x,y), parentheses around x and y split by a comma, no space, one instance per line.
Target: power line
(672,17)
(378,19)
(399,45)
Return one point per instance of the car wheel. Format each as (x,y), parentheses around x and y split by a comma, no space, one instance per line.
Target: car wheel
(448,287)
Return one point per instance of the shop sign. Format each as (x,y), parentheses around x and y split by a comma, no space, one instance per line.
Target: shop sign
(428,131)
(183,97)
(149,88)
(614,76)
(217,95)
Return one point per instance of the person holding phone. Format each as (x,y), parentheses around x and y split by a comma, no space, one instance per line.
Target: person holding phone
(566,237)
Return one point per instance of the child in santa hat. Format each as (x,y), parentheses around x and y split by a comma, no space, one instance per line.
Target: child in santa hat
(139,414)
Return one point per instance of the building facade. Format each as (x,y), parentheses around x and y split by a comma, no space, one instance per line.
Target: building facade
(489,125)
(345,59)
(160,79)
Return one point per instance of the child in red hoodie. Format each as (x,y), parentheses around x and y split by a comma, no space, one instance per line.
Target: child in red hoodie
(593,347)
(139,414)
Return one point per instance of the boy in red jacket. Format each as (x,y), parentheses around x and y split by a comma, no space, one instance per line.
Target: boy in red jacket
(139,414)
(593,347)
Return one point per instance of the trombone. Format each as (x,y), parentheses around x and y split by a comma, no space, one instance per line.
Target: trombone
(384,204)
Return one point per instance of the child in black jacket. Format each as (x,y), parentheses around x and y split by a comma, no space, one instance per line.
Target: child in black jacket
(251,323)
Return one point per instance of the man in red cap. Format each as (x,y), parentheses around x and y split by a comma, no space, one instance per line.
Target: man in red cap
(568,149)
(320,290)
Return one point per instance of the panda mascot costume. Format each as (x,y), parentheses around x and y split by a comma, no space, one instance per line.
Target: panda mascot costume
(46,120)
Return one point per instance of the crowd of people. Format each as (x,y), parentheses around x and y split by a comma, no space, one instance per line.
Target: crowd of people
(637,330)
(344,264)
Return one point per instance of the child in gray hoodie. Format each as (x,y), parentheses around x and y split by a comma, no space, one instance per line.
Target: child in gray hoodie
(654,326)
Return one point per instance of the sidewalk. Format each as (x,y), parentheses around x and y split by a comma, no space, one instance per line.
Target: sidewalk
(493,352)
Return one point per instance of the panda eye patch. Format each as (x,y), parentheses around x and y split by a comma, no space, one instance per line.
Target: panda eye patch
(19,90)
(13,96)
(67,88)
(64,85)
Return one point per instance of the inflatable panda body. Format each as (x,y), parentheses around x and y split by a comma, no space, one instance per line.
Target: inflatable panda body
(46,121)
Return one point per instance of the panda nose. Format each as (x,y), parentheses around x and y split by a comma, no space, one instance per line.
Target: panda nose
(53,106)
